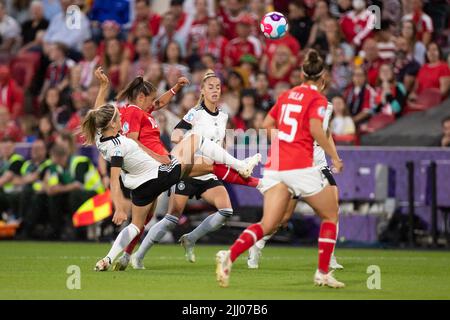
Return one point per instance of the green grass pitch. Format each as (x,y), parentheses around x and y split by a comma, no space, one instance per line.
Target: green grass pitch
(38,270)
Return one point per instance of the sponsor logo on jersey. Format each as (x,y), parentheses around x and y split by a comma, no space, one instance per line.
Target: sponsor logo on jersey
(125,127)
(321,112)
(181,186)
(189,117)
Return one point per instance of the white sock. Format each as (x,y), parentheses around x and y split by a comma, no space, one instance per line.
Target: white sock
(337,231)
(122,241)
(262,242)
(156,233)
(212,223)
(218,154)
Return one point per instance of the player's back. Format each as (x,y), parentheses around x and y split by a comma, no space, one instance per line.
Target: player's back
(134,119)
(293,112)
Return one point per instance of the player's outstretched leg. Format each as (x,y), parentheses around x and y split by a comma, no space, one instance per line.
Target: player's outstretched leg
(122,263)
(275,203)
(123,239)
(227,174)
(325,205)
(154,235)
(212,223)
(185,151)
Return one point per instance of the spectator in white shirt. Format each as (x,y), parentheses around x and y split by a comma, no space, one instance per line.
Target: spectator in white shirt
(9,31)
(73,36)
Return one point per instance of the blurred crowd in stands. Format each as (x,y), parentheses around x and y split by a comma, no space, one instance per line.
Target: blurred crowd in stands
(376,75)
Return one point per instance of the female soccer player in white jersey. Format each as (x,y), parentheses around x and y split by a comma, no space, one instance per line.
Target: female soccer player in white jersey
(143,175)
(254,253)
(298,115)
(207,120)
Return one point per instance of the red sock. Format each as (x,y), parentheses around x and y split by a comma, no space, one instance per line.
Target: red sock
(327,240)
(227,174)
(247,239)
(129,249)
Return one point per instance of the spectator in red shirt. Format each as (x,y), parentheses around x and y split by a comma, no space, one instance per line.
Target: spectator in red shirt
(80,104)
(422,21)
(271,45)
(199,26)
(243,44)
(372,61)
(111,30)
(116,64)
(357,25)
(281,66)
(8,127)
(434,74)
(11,95)
(360,97)
(214,43)
(144,13)
(230,12)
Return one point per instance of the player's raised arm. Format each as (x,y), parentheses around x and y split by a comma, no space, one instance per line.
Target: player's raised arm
(104,87)
(165,98)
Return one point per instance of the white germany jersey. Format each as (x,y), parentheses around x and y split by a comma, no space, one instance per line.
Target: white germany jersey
(209,125)
(319,153)
(138,167)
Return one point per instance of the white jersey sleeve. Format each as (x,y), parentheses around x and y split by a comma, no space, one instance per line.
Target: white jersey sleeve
(319,153)
(137,166)
(191,116)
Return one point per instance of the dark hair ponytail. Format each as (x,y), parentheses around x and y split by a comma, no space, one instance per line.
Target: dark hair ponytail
(313,66)
(134,88)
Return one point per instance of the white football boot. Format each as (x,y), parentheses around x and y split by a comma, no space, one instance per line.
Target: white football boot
(334,264)
(223,267)
(322,279)
(103,264)
(250,164)
(136,263)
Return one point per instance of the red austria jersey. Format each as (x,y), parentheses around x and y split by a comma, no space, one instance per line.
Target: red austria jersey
(293,147)
(134,119)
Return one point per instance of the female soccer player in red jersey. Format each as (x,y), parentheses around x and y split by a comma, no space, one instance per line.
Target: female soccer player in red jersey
(207,120)
(290,171)
(139,125)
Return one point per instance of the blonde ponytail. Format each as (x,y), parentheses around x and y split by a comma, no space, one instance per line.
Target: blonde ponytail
(88,127)
(98,120)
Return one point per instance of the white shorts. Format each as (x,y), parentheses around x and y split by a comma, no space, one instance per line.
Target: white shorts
(301,182)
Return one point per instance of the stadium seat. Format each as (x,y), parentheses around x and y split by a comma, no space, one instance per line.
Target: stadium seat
(428,99)
(24,67)
(378,122)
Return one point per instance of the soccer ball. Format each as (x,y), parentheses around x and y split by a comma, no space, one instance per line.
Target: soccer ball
(274,25)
